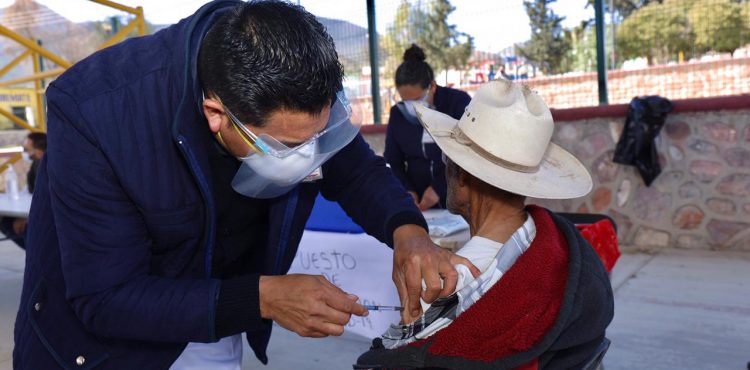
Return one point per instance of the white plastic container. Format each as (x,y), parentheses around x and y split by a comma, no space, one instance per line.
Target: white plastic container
(11,183)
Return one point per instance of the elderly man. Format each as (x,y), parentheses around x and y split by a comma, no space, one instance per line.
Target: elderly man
(543,299)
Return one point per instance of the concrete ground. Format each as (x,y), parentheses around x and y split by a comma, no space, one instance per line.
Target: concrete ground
(675,310)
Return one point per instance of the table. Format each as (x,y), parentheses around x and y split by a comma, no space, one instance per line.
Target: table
(15,207)
(453,241)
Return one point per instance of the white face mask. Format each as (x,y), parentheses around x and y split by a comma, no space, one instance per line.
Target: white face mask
(281,168)
(284,170)
(26,157)
(409,105)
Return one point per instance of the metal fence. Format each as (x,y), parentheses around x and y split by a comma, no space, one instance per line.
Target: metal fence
(675,48)
(27,64)
(679,49)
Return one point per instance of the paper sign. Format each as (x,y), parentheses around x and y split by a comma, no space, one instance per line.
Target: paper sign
(358,264)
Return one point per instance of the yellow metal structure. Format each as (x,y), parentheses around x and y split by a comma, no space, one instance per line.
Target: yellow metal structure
(36,52)
(138,22)
(33,51)
(24,100)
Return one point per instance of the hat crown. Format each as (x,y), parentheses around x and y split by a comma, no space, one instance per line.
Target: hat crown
(510,122)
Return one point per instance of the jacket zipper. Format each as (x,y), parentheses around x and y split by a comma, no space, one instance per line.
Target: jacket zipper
(286,227)
(207,200)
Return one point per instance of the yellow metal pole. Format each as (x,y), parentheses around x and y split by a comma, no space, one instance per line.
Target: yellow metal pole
(34,77)
(18,121)
(120,35)
(30,44)
(141,22)
(41,123)
(10,162)
(8,67)
(38,85)
(117,6)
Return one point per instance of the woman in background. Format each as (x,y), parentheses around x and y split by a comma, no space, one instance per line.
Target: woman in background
(412,154)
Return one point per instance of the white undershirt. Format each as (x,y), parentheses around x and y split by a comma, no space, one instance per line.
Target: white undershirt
(481,252)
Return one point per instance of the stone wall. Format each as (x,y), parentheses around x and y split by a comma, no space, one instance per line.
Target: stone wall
(701,199)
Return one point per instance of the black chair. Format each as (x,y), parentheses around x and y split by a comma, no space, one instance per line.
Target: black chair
(586,218)
(595,363)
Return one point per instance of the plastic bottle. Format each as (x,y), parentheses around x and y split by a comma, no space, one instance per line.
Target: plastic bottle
(11,183)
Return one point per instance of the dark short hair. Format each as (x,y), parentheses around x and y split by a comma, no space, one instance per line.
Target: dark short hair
(263,56)
(414,70)
(38,140)
(453,170)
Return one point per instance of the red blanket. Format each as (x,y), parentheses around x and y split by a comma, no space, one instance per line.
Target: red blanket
(515,313)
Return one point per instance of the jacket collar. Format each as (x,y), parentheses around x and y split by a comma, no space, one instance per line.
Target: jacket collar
(191,32)
(441,98)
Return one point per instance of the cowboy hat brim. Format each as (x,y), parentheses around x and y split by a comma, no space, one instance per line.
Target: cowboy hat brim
(560,175)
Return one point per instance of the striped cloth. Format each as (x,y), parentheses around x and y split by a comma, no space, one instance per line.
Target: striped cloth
(445,310)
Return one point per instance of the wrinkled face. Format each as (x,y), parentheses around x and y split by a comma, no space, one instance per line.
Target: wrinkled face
(457,200)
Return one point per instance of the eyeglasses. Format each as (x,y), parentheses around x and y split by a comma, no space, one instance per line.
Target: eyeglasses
(252,140)
(267,145)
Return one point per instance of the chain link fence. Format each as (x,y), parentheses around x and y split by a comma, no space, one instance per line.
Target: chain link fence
(679,49)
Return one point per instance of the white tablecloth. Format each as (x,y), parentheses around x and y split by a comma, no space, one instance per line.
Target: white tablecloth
(15,207)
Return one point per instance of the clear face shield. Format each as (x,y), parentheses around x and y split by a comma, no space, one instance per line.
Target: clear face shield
(273,169)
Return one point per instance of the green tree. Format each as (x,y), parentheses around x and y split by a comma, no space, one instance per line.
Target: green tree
(625,8)
(581,56)
(548,45)
(658,31)
(444,46)
(407,25)
(719,25)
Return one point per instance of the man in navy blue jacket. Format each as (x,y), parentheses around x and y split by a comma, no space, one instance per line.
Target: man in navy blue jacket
(153,226)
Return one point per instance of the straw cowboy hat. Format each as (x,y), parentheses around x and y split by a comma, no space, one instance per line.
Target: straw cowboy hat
(503,139)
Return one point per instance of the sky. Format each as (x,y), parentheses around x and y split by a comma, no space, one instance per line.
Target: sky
(495,24)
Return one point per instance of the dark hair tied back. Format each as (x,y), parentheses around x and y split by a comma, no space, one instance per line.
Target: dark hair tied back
(414,53)
(414,70)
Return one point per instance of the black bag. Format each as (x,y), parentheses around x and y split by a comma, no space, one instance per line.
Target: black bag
(637,146)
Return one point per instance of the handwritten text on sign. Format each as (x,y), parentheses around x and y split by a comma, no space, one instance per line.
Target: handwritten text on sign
(358,264)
